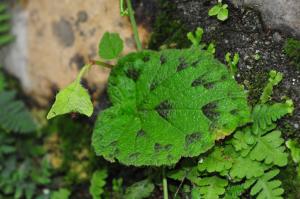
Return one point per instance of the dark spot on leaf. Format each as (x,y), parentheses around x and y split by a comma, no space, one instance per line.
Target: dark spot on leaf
(168,147)
(116,152)
(158,147)
(209,110)
(195,63)
(192,138)
(234,112)
(224,77)
(162,59)
(146,58)
(163,109)
(134,156)
(141,133)
(198,82)
(153,85)
(209,85)
(133,74)
(169,157)
(114,143)
(182,64)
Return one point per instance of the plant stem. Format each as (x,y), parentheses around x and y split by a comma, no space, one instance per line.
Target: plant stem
(165,184)
(134,26)
(101,63)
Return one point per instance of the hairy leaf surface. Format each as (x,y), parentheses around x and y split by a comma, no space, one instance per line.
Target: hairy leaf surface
(168,105)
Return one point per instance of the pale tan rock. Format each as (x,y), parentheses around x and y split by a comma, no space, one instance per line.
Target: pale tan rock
(55,38)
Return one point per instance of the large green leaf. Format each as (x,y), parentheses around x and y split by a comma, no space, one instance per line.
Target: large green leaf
(167,105)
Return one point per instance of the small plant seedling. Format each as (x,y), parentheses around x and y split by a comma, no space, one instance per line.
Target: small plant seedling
(220,10)
(256,56)
(196,37)
(232,63)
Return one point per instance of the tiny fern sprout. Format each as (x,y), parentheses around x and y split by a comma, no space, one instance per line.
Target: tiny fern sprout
(73,98)
(232,63)
(220,10)
(196,37)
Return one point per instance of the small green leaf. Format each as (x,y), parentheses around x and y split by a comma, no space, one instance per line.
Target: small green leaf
(139,190)
(211,187)
(294,147)
(61,194)
(97,183)
(215,10)
(73,98)
(111,45)
(266,187)
(245,167)
(223,14)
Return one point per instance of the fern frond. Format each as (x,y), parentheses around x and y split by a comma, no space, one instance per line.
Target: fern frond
(264,115)
(14,116)
(266,188)
(97,183)
(211,187)
(234,191)
(274,79)
(5,36)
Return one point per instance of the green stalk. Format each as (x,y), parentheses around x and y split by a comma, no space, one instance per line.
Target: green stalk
(165,184)
(134,26)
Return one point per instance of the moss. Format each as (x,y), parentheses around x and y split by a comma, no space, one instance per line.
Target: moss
(167,29)
(292,49)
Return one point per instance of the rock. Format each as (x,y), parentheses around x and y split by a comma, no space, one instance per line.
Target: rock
(277,14)
(54,39)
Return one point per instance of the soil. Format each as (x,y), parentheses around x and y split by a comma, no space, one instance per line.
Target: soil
(260,50)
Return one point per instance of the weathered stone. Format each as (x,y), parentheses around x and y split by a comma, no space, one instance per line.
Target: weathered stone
(277,14)
(55,38)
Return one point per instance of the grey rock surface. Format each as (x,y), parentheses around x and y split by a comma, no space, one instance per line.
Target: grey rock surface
(283,15)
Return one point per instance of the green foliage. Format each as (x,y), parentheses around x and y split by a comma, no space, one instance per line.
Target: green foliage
(264,115)
(267,188)
(2,82)
(211,187)
(73,98)
(139,190)
(61,194)
(110,46)
(292,49)
(98,183)
(294,147)
(234,191)
(232,63)
(154,95)
(14,115)
(22,167)
(5,36)
(220,10)
(274,79)
(219,160)
(196,37)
